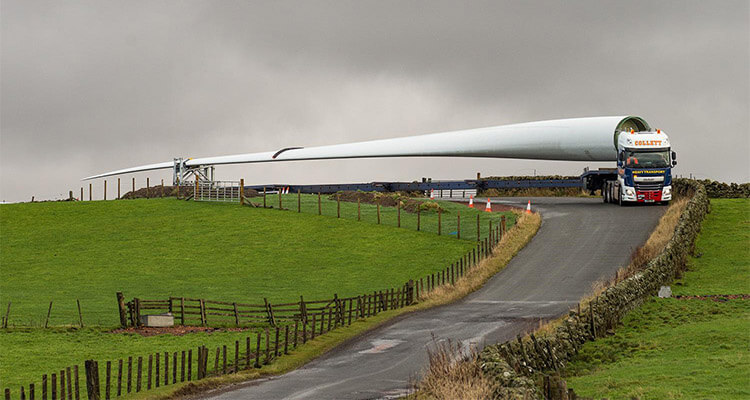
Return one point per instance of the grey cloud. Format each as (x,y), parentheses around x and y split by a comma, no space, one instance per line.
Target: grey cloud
(95,86)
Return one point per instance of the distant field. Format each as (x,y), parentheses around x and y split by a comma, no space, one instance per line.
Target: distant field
(690,349)
(61,252)
(153,248)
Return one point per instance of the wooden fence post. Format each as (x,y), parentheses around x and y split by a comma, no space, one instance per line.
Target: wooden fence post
(81,198)
(302,310)
(299,201)
(359,211)
(190,364)
(378,211)
(242,191)
(338,206)
(502,223)
(320,208)
(130,375)
(132,193)
(264,197)
(80,315)
(150,372)
(268,348)
(286,339)
(148,187)
(182,311)
(137,311)
(7,314)
(49,311)
(118,188)
(105,189)
(161,189)
(398,215)
(108,380)
(121,307)
(269,312)
(280,206)
(61,375)
(92,380)
(166,368)
(489,232)
(458,230)
(224,360)
(139,374)
(90,195)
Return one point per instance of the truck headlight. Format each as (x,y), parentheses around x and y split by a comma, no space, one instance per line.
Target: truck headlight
(667,190)
(629,192)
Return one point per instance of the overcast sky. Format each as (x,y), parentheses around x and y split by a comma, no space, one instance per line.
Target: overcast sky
(89,87)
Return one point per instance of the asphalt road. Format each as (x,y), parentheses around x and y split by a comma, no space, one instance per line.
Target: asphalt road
(580,241)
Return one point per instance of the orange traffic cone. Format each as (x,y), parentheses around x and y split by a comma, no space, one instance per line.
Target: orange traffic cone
(471,201)
(432,194)
(488,207)
(528,207)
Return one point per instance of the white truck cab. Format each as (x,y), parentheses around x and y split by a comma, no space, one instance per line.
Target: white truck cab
(644,168)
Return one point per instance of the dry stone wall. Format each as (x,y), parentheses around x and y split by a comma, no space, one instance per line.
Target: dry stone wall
(517,365)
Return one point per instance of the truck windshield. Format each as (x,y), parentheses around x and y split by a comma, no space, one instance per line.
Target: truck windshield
(647,159)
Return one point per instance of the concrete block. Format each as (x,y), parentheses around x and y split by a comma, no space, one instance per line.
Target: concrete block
(157,320)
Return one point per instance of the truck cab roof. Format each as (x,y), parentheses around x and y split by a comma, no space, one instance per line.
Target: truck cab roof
(645,140)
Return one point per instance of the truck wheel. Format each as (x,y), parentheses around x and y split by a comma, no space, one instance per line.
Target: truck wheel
(619,196)
(605,192)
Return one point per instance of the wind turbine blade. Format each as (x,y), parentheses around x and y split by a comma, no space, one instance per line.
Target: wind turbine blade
(150,167)
(577,139)
(580,139)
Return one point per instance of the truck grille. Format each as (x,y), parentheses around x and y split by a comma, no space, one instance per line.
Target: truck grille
(648,186)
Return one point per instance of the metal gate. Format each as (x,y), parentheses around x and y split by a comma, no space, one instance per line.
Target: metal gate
(222,191)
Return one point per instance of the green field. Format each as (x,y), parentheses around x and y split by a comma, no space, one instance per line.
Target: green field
(683,348)
(154,248)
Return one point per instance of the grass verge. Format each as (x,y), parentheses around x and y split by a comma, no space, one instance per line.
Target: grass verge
(683,348)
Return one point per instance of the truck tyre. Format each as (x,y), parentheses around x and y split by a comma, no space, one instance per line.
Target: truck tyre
(605,192)
(619,196)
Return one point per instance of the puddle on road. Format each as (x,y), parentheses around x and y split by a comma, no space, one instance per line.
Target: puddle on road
(381,345)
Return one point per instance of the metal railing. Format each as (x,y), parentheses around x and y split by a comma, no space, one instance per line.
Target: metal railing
(221,191)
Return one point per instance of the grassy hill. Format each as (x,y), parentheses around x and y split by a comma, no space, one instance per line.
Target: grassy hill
(153,248)
(687,348)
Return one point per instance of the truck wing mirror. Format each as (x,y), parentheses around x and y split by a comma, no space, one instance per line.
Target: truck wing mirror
(674,155)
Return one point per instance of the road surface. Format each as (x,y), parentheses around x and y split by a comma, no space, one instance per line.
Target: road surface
(581,240)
